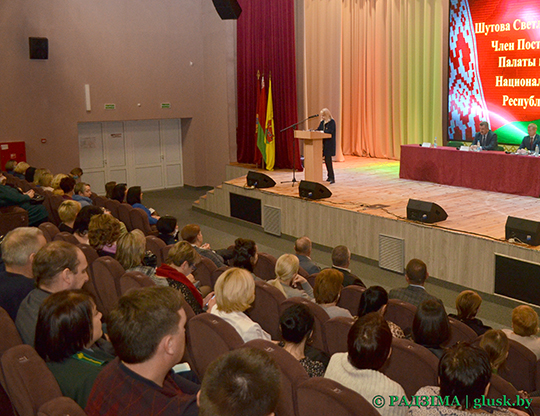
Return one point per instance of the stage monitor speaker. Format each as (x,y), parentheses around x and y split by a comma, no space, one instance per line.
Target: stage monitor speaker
(259,180)
(313,190)
(525,231)
(227,9)
(39,48)
(424,211)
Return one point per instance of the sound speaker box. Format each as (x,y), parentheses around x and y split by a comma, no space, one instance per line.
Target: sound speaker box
(259,180)
(39,48)
(424,211)
(227,9)
(313,190)
(526,231)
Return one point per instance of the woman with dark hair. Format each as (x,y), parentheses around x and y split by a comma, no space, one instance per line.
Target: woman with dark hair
(296,325)
(431,327)
(68,325)
(168,229)
(134,198)
(369,345)
(245,255)
(119,192)
(375,299)
(82,220)
(109,186)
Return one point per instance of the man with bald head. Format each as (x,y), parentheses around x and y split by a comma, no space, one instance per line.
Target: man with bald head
(302,247)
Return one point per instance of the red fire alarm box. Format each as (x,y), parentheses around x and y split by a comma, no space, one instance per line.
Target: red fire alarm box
(12,151)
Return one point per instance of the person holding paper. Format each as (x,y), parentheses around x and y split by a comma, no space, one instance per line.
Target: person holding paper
(485,139)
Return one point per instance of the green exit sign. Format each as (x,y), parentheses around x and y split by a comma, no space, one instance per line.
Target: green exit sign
(165,105)
(110,106)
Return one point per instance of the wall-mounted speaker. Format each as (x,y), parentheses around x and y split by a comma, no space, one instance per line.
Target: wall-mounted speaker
(259,180)
(424,211)
(525,231)
(313,190)
(39,48)
(227,9)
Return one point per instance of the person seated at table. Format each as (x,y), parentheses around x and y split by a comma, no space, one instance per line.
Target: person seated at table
(531,140)
(485,139)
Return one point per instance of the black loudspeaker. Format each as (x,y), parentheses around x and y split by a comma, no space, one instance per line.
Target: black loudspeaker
(227,9)
(39,48)
(424,211)
(525,231)
(313,190)
(259,180)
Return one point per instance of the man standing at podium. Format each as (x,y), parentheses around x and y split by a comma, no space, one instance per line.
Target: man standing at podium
(485,139)
(328,125)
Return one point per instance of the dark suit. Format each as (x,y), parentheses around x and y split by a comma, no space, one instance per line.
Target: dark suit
(530,143)
(329,145)
(414,295)
(308,265)
(489,143)
(210,254)
(349,278)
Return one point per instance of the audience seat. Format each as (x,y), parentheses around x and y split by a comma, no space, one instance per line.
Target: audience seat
(134,280)
(90,253)
(208,337)
(139,220)
(155,244)
(124,215)
(6,407)
(322,396)
(165,252)
(29,382)
(99,201)
(105,277)
(216,273)
(11,218)
(61,406)
(51,203)
(499,388)
(112,206)
(350,298)
(9,336)
(292,375)
(265,310)
(411,365)
(336,331)
(401,313)
(311,279)
(319,339)
(67,237)
(49,230)
(204,270)
(521,367)
(459,332)
(265,268)
(302,272)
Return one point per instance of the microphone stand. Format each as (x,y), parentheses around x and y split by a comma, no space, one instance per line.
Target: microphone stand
(293,181)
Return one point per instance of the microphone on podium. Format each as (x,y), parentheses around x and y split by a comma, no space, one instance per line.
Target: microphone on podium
(313,116)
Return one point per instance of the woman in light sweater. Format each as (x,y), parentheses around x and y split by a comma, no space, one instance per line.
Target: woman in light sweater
(287,278)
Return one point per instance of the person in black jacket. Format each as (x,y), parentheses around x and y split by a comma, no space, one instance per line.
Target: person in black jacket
(328,125)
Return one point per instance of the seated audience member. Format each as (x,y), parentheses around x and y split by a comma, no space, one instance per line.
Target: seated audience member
(130,251)
(29,174)
(495,343)
(109,186)
(415,275)
(103,232)
(10,196)
(287,278)
(525,328)
(43,178)
(369,345)
(244,382)
(67,185)
(193,235)
(119,192)
(181,261)
(467,304)
(375,299)
(67,211)
(55,184)
(296,325)
(464,375)
(76,173)
(57,266)
(341,260)
(20,170)
(168,229)
(235,292)
(485,139)
(68,325)
(328,286)
(18,250)
(245,255)
(431,327)
(134,198)
(82,221)
(302,248)
(9,166)
(82,193)
(147,330)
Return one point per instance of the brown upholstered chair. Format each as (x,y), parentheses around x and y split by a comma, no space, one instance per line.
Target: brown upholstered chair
(105,277)
(112,206)
(67,237)
(165,252)
(9,336)
(411,365)
(499,388)
(216,273)
(311,279)
(337,330)
(134,280)
(459,332)
(322,396)
(139,220)
(292,374)
(265,266)
(89,252)
(51,203)
(319,339)
(350,298)
(11,218)
(265,310)
(155,244)
(61,406)
(29,382)
(521,367)
(401,313)
(49,230)
(124,215)
(99,201)
(204,270)
(302,272)
(6,407)
(207,337)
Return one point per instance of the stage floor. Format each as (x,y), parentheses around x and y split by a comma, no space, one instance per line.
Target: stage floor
(372,186)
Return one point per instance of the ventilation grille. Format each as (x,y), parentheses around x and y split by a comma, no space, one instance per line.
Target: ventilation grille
(272,220)
(391,253)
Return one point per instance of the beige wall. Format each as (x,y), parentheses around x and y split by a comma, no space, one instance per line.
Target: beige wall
(129,52)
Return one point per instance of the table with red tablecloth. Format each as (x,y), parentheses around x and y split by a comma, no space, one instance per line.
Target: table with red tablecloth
(487,170)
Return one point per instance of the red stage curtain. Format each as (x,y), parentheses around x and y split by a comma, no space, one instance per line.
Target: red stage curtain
(265,41)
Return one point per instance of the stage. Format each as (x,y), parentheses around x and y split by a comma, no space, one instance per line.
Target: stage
(367,212)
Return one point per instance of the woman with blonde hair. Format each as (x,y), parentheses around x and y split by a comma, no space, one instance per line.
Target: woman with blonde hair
(55,183)
(467,304)
(20,170)
(287,278)
(235,292)
(328,125)
(495,343)
(68,211)
(130,252)
(525,328)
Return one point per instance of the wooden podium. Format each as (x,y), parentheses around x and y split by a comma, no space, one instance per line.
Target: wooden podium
(312,153)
